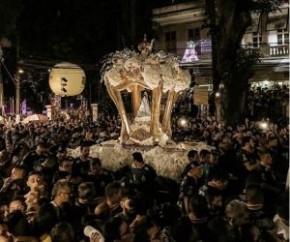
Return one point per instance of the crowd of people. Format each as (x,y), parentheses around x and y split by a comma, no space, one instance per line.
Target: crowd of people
(262,103)
(236,192)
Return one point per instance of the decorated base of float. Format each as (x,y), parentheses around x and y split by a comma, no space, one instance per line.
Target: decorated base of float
(168,161)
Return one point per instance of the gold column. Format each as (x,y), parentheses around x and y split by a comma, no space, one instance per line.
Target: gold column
(117,99)
(166,121)
(155,117)
(136,99)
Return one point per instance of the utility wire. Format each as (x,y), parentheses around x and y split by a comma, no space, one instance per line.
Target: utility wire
(8,72)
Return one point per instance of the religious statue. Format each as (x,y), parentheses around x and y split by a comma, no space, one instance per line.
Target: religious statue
(138,73)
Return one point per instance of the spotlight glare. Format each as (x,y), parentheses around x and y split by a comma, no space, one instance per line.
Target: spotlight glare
(263,125)
(182,122)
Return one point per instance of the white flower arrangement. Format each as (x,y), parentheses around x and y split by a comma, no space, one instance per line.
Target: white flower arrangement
(168,161)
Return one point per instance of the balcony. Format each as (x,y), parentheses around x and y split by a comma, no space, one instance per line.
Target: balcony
(271,51)
(279,50)
(266,50)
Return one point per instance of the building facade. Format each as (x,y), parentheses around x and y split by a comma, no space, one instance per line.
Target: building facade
(180,31)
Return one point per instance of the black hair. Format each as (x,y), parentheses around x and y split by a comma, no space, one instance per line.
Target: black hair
(245,140)
(192,153)
(86,190)
(203,153)
(63,232)
(35,173)
(18,224)
(112,189)
(137,156)
(254,194)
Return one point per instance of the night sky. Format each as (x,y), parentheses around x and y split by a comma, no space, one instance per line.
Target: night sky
(83,31)
(44,33)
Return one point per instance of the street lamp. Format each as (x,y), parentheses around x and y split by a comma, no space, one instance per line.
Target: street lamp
(217,94)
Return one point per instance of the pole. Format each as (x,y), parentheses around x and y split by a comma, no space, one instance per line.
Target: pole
(17,95)
(1,85)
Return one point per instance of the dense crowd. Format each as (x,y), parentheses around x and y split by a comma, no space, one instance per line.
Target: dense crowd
(236,192)
(262,103)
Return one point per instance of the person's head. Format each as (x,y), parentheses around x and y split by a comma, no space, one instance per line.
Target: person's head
(137,159)
(41,148)
(35,180)
(63,232)
(266,158)
(236,213)
(5,235)
(18,224)
(204,156)
(62,191)
(17,204)
(223,146)
(254,196)
(127,202)
(192,155)
(18,172)
(248,142)
(4,204)
(4,156)
(65,165)
(85,149)
(9,146)
(61,153)
(95,166)
(22,149)
(273,142)
(86,191)
(214,157)
(113,193)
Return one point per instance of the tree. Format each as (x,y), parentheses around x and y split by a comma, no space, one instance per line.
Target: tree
(232,65)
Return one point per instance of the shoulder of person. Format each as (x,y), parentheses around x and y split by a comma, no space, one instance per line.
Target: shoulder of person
(101,208)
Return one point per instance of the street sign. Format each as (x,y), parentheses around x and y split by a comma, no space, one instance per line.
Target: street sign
(200,96)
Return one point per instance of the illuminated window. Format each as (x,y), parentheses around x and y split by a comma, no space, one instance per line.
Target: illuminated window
(257,40)
(282,37)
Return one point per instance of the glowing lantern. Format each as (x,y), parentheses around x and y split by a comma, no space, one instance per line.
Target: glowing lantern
(67,79)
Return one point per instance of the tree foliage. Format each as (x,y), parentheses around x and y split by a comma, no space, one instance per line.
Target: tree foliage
(227,21)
